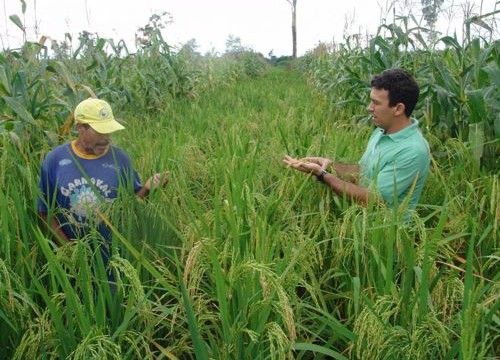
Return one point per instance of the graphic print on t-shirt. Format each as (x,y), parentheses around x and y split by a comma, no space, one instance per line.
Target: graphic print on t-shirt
(85,198)
(81,201)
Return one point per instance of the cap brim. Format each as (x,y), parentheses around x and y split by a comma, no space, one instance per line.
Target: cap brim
(106,127)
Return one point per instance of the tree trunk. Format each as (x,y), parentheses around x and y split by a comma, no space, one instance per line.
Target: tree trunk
(294,29)
(293,5)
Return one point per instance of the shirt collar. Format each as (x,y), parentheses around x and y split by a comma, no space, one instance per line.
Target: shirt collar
(86,156)
(403,133)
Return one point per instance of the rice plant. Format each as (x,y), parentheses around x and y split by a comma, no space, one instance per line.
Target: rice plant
(239,257)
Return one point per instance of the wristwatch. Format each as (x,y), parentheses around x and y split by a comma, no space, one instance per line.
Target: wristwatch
(321,175)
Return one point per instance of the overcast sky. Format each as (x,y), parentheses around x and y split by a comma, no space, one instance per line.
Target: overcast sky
(263,25)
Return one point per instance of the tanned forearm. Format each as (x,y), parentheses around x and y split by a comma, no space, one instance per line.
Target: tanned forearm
(347,172)
(342,181)
(353,192)
(142,192)
(59,236)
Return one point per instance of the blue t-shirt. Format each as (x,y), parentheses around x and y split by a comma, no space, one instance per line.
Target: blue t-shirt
(393,162)
(75,185)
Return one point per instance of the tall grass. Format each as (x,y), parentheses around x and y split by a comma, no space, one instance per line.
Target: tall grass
(241,258)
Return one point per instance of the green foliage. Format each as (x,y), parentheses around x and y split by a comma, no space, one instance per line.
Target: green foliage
(459,83)
(38,91)
(241,258)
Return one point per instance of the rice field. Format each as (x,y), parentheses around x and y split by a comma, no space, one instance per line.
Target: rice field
(240,257)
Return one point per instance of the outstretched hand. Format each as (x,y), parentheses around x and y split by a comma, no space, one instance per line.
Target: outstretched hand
(304,164)
(321,161)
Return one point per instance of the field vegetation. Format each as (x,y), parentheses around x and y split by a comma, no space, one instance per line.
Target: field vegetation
(239,257)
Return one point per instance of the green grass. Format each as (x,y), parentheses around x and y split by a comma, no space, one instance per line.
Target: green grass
(240,257)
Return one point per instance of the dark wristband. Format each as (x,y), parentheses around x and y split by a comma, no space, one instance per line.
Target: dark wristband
(321,175)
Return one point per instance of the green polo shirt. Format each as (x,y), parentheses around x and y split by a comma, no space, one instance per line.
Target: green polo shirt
(392,162)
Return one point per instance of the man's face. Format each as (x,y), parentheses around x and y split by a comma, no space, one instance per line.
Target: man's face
(92,142)
(382,114)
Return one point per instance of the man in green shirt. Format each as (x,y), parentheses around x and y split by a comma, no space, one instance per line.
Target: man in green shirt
(396,160)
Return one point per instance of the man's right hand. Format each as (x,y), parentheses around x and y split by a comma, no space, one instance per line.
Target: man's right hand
(321,161)
(303,165)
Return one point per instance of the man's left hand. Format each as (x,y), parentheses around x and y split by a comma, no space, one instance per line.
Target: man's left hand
(157,180)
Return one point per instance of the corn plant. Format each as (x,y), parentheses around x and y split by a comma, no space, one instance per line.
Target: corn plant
(459,84)
(240,257)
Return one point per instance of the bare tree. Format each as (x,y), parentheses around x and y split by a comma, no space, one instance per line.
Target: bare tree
(293,4)
(36,27)
(430,11)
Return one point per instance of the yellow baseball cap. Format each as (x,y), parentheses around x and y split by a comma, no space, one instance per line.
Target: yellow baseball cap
(98,114)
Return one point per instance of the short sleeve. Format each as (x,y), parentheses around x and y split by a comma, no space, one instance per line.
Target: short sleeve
(45,187)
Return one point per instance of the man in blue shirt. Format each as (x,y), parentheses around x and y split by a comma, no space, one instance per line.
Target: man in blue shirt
(79,177)
(396,161)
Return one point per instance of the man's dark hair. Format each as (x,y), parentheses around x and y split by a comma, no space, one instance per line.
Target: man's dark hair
(401,86)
